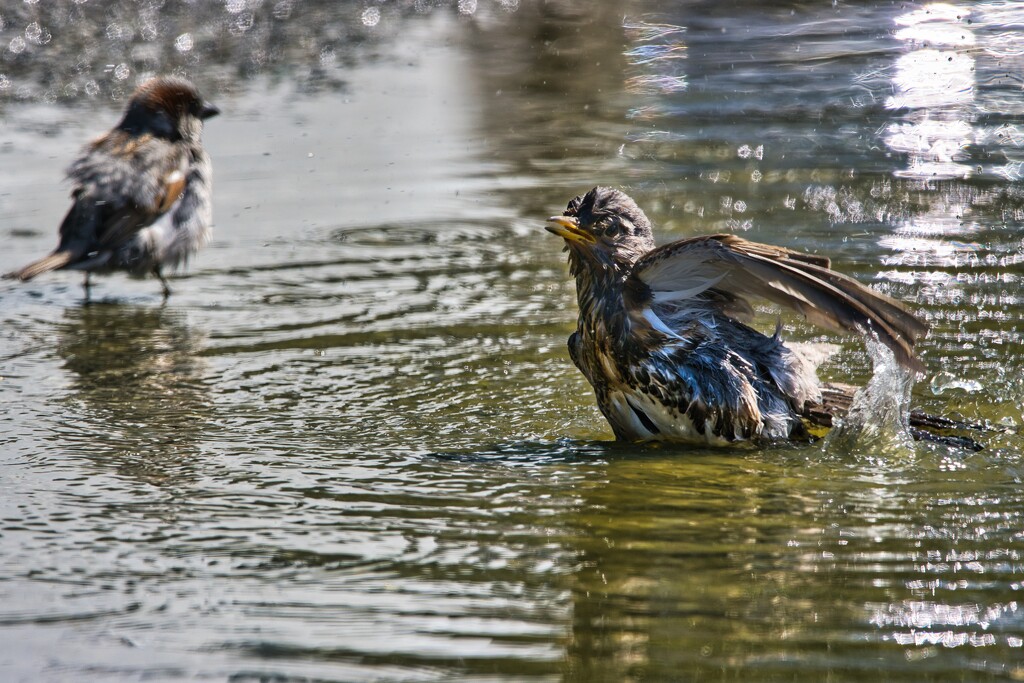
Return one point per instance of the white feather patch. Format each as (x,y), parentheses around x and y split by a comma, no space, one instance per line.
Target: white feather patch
(672,426)
(659,324)
(682,288)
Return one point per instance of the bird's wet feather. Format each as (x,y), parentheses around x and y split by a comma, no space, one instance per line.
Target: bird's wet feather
(661,337)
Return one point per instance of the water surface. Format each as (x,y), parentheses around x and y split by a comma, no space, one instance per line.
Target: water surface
(351,446)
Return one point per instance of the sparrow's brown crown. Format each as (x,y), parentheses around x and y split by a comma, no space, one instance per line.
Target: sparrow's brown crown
(160,106)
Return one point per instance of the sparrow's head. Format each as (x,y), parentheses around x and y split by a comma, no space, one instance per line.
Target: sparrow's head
(604,225)
(169,108)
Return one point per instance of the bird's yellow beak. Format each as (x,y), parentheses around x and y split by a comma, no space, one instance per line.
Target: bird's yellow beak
(569,228)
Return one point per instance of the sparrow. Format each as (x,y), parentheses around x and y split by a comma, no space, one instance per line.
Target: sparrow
(662,333)
(141,192)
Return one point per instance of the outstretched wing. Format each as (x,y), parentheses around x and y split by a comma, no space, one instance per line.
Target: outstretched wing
(727,268)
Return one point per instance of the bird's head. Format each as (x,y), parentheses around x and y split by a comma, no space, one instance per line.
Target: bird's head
(605,227)
(169,108)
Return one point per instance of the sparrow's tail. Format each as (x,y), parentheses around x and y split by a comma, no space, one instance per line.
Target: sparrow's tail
(836,400)
(57,259)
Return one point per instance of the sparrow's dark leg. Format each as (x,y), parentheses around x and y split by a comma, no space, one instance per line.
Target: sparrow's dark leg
(163,281)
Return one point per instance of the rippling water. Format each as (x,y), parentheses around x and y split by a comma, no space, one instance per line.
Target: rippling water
(351,446)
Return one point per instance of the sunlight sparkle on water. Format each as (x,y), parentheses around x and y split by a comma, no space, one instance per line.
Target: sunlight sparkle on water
(937,86)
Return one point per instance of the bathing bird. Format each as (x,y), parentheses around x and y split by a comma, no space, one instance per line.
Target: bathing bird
(663,335)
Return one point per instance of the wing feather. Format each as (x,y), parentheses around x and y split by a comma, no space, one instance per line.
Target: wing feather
(803,282)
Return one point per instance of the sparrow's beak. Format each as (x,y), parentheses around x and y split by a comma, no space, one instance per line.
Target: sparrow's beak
(207,110)
(569,228)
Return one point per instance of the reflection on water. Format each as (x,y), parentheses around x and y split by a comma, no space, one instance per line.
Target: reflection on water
(137,399)
(352,445)
(943,89)
(748,564)
(658,65)
(935,81)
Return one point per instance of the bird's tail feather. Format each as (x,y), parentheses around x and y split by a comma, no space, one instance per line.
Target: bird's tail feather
(57,259)
(836,400)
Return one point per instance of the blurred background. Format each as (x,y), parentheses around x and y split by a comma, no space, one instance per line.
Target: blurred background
(351,445)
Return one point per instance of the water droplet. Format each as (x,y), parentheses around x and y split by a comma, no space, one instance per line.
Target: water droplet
(183,43)
(371,16)
(242,23)
(118,33)
(35,33)
(17,45)
(947,381)
(283,9)
(467,6)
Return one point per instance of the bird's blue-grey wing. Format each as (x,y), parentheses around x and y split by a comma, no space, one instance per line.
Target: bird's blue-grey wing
(719,271)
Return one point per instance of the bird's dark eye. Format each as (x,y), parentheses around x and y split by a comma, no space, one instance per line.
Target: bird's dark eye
(608,226)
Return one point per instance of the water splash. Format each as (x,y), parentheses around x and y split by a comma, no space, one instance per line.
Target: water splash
(947,381)
(878,421)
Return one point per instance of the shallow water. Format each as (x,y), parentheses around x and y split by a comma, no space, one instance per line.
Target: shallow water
(351,446)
